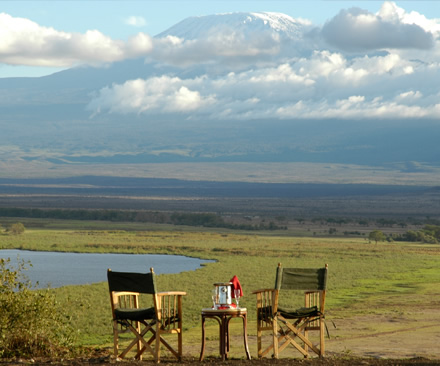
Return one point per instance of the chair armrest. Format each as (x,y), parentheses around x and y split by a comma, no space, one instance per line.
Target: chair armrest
(169,309)
(125,293)
(267,298)
(171,293)
(315,298)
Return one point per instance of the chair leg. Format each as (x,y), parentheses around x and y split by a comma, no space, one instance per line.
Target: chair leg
(321,337)
(115,339)
(306,335)
(179,345)
(259,335)
(275,338)
(157,350)
(139,343)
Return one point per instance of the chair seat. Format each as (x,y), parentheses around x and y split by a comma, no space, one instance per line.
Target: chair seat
(135,314)
(299,313)
(263,313)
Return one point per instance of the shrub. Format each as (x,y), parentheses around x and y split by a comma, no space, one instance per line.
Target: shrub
(17,228)
(31,323)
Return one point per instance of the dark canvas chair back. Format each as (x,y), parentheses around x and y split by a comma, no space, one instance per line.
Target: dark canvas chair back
(134,282)
(301,279)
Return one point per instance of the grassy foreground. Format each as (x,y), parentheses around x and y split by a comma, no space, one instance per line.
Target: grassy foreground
(364,279)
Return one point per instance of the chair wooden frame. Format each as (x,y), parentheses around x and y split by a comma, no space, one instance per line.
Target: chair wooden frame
(287,329)
(164,318)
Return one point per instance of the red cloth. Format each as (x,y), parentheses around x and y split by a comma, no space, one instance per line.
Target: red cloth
(236,285)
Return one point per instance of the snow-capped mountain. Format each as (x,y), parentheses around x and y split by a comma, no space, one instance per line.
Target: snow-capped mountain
(245,23)
(233,41)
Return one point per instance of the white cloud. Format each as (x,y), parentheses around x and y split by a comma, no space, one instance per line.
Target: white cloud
(138,45)
(186,100)
(24,42)
(155,95)
(409,96)
(358,108)
(391,28)
(392,13)
(136,21)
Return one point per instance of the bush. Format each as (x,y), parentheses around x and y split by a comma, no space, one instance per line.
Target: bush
(31,323)
(17,228)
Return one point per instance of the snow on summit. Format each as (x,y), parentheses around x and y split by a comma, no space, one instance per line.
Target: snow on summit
(244,23)
(279,21)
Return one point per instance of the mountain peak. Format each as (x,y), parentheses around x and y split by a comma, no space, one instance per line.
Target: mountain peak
(199,27)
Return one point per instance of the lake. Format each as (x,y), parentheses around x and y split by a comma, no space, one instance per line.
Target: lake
(56,269)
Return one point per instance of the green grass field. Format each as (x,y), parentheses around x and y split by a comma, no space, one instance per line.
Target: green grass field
(365,279)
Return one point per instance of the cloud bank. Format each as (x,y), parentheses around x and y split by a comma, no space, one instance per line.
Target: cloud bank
(24,42)
(326,85)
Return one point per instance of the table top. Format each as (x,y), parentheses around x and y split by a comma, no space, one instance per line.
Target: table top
(227,311)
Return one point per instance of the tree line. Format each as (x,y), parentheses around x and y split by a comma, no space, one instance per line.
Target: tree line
(189,219)
(430,234)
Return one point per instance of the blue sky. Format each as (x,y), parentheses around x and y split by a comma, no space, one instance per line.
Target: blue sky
(112,18)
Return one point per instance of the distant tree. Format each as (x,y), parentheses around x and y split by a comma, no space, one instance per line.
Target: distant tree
(377,235)
(16,229)
(432,230)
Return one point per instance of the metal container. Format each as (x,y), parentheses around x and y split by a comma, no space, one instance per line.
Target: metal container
(223,296)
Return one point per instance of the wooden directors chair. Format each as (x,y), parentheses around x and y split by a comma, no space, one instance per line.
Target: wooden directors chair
(165,317)
(291,327)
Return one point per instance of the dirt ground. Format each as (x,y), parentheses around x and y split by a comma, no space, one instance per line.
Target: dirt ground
(390,334)
(409,339)
(327,361)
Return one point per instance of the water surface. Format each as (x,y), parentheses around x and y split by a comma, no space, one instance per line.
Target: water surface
(56,269)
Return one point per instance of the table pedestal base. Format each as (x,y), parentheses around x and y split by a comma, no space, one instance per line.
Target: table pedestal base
(223,318)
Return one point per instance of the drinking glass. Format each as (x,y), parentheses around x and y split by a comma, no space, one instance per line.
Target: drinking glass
(214,298)
(237,293)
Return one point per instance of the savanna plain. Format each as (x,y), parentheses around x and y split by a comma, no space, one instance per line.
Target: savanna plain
(383,300)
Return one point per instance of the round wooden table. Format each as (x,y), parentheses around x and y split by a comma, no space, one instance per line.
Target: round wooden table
(223,317)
